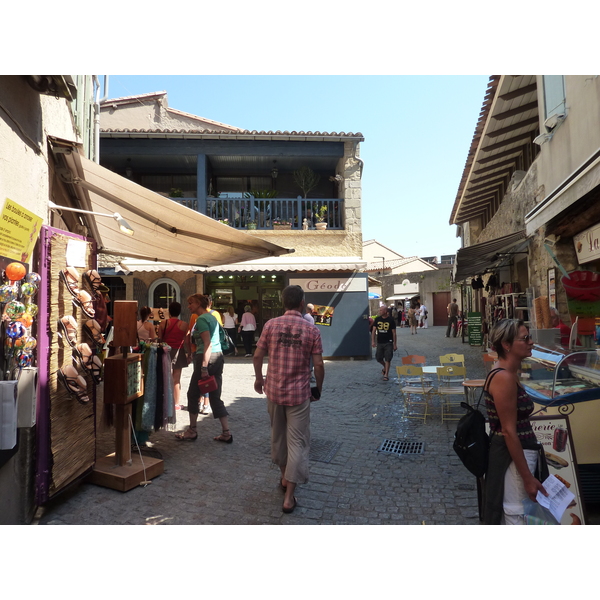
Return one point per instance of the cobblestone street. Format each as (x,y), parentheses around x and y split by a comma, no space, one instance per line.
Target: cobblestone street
(350,481)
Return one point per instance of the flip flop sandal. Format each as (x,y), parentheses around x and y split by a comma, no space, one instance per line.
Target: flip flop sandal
(291,508)
(74,383)
(70,277)
(84,301)
(92,329)
(93,280)
(67,329)
(89,361)
(189,435)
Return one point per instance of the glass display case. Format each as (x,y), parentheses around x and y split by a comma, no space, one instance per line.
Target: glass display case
(553,378)
(568,383)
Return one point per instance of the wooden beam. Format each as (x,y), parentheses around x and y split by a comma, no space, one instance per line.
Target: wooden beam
(514,127)
(504,163)
(515,111)
(506,142)
(512,151)
(520,92)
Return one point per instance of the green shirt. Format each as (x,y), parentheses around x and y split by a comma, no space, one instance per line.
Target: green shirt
(206,322)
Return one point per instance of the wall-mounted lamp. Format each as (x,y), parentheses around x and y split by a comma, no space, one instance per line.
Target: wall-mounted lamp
(274,172)
(123,225)
(542,138)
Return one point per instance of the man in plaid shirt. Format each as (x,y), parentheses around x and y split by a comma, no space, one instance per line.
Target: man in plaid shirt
(290,341)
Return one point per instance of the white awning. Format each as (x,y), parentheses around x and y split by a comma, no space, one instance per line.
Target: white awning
(297,263)
(402,297)
(164,231)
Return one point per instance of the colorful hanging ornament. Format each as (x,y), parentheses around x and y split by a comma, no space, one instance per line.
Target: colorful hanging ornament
(14,309)
(28,289)
(15,271)
(8,293)
(15,330)
(29,344)
(26,319)
(24,359)
(33,278)
(32,309)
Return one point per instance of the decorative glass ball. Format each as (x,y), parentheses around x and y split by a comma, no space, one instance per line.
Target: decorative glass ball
(33,278)
(28,289)
(24,359)
(15,330)
(7,293)
(15,309)
(32,309)
(26,319)
(15,271)
(27,342)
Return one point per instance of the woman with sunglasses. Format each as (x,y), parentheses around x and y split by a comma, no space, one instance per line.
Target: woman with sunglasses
(514,449)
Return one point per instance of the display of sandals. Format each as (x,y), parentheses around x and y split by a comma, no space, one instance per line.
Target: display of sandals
(82,299)
(92,329)
(67,329)
(74,383)
(89,361)
(93,280)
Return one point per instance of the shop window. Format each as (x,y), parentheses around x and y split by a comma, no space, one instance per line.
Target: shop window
(162,292)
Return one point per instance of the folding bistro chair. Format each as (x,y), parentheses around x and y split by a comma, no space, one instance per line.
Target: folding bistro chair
(452,359)
(419,361)
(451,391)
(416,387)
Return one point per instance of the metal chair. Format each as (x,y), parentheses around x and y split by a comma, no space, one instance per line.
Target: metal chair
(451,391)
(452,359)
(419,361)
(413,385)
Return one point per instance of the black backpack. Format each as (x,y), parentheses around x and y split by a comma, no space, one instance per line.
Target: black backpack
(471,442)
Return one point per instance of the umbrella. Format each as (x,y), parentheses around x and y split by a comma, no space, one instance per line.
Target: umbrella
(373,296)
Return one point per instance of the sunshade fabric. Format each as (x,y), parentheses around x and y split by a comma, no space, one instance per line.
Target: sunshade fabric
(164,230)
(474,260)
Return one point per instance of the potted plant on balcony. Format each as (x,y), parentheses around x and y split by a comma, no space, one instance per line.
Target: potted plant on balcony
(251,224)
(320,215)
(306,179)
(281,224)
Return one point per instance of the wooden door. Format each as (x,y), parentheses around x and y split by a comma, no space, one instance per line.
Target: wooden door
(440,308)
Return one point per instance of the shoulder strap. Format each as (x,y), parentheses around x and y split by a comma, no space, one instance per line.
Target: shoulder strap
(488,379)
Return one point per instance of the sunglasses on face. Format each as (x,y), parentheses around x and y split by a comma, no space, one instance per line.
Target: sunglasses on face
(525,338)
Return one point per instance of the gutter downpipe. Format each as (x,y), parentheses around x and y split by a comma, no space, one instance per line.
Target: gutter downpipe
(97,101)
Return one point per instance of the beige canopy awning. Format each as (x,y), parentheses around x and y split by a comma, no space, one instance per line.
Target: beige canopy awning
(163,230)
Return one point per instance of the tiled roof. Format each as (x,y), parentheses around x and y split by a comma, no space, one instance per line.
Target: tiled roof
(241,132)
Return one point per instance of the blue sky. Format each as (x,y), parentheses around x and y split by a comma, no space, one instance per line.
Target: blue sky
(417,129)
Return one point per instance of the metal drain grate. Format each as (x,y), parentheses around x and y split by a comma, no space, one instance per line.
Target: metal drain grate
(323,450)
(401,447)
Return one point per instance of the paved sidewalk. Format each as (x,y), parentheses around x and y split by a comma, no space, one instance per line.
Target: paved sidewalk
(206,482)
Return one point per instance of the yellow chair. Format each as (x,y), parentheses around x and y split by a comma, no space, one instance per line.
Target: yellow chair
(419,361)
(451,391)
(412,384)
(452,359)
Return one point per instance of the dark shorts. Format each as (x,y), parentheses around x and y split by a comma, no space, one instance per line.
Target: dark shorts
(384,352)
(178,358)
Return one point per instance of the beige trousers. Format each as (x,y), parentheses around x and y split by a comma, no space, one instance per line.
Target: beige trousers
(290,439)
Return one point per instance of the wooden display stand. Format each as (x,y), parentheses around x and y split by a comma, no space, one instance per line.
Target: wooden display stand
(123,383)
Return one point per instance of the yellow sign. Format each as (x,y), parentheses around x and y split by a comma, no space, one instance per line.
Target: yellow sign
(19,230)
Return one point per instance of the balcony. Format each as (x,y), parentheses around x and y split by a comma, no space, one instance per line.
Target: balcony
(243,213)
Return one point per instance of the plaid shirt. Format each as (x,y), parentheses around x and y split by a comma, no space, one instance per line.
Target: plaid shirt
(289,341)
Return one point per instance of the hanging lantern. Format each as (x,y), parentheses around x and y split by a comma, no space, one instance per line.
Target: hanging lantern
(15,271)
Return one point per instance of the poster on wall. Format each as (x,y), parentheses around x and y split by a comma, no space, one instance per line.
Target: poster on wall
(554,433)
(19,231)
(552,287)
(323,315)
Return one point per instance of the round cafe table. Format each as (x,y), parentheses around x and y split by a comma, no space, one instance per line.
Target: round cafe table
(471,387)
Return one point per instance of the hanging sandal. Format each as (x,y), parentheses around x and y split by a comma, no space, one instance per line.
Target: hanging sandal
(93,280)
(84,301)
(70,277)
(93,331)
(74,383)
(67,329)
(225,437)
(89,361)
(189,435)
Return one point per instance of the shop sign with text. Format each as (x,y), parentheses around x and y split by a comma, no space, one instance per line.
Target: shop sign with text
(19,230)
(587,244)
(332,284)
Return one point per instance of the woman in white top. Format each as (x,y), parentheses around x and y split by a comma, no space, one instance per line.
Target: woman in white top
(248,327)
(145,329)
(230,323)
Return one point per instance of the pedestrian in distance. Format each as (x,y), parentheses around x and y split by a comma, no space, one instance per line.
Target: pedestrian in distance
(412,318)
(424,314)
(247,327)
(290,342)
(384,340)
(208,360)
(173,331)
(452,318)
(308,314)
(230,324)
